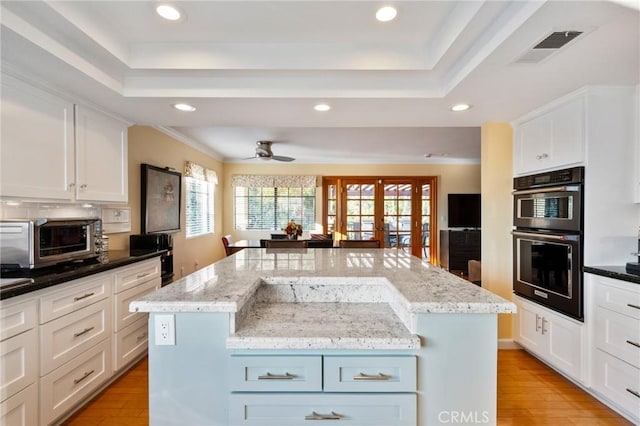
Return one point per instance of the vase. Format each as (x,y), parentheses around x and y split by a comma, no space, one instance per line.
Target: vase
(292,237)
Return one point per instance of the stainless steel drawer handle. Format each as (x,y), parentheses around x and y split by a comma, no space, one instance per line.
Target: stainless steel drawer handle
(372,377)
(317,416)
(631,305)
(87,374)
(85,331)
(285,376)
(636,344)
(141,337)
(634,393)
(75,299)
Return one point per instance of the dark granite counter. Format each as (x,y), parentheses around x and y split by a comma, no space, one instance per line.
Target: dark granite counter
(617,272)
(58,274)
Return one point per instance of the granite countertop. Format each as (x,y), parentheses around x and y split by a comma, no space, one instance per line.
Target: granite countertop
(617,272)
(59,274)
(322,299)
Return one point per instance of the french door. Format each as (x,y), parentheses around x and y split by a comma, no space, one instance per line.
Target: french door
(395,210)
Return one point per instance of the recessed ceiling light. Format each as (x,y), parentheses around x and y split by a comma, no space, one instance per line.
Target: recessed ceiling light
(13,203)
(322,107)
(169,12)
(184,107)
(460,107)
(386,14)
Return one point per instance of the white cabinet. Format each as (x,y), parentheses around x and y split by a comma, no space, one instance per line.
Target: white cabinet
(18,352)
(130,328)
(38,152)
(556,339)
(101,157)
(47,156)
(614,306)
(21,409)
(552,139)
(75,339)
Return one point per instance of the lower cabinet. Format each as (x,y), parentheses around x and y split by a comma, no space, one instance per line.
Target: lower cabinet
(67,385)
(21,409)
(130,343)
(558,340)
(359,390)
(298,409)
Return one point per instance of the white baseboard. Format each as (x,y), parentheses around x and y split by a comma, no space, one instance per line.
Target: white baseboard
(508,344)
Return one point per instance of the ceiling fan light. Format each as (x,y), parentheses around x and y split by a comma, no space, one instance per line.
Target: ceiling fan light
(184,107)
(386,14)
(169,12)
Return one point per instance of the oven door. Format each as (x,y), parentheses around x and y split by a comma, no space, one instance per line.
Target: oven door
(558,208)
(548,270)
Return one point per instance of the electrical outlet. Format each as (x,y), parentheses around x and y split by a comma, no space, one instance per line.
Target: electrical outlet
(165,327)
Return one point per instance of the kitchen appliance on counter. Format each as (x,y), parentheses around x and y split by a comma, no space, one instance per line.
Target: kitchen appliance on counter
(634,267)
(548,239)
(140,244)
(37,243)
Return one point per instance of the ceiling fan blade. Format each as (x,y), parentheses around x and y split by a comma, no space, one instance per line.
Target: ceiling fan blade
(282,158)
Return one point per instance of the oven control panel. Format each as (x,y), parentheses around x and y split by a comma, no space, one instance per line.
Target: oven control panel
(556,177)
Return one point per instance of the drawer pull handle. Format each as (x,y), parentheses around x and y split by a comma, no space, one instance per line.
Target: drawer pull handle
(143,275)
(631,305)
(85,331)
(634,393)
(141,337)
(637,345)
(285,376)
(317,416)
(75,299)
(372,377)
(87,374)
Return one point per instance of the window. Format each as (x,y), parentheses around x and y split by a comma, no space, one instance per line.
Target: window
(267,203)
(199,183)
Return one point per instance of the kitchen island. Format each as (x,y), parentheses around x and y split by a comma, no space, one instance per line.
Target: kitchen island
(283,336)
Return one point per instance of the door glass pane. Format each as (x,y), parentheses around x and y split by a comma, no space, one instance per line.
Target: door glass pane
(397,215)
(332,207)
(360,211)
(425,219)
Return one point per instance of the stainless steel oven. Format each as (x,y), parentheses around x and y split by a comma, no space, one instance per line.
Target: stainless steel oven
(547,269)
(548,241)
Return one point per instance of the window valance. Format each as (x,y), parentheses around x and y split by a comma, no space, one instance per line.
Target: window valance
(268,181)
(196,171)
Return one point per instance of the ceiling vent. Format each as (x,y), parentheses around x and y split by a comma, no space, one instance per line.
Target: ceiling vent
(548,46)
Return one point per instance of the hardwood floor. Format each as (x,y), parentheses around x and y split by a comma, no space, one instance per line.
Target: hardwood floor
(529,393)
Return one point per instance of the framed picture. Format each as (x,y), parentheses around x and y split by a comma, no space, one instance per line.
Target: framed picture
(160,199)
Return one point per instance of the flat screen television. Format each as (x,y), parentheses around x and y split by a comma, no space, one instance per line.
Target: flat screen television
(464,210)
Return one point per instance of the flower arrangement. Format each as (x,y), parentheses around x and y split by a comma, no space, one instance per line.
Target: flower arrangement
(293,229)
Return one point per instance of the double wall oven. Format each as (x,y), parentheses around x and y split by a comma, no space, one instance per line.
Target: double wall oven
(548,239)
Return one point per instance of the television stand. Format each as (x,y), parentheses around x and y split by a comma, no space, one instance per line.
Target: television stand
(457,248)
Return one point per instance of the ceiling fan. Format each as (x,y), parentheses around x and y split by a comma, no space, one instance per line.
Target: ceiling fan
(263,151)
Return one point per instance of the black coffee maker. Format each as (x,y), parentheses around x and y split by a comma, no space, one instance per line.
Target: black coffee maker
(634,267)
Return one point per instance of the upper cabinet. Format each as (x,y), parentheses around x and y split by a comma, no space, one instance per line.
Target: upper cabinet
(55,150)
(552,139)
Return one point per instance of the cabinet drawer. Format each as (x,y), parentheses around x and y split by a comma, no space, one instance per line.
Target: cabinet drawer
(370,374)
(618,381)
(131,342)
(298,409)
(75,295)
(21,409)
(123,317)
(66,337)
(66,386)
(619,335)
(138,273)
(19,361)
(617,299)
(16,318)
(276,373)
